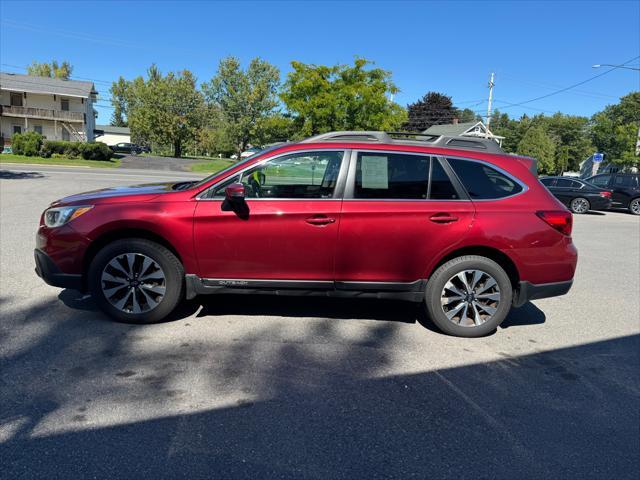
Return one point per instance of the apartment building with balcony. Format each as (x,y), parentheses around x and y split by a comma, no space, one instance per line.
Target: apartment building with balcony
(58,109)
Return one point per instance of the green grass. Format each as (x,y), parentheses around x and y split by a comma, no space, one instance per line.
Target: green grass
(74,162)
(211,167)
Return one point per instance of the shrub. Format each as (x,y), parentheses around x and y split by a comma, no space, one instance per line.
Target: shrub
(88,151)
(28,143)
(95,151)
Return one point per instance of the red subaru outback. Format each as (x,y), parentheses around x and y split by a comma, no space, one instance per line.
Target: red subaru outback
(450,222)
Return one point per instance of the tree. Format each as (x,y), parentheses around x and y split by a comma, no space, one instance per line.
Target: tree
(432,109)
(324,98)
(243,98)
(538,144)
(165,109)
(571,136)
(119,99)
(615,130)
(50,70)
(467,115)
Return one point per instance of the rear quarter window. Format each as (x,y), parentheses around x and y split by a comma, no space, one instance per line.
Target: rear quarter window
(483,182)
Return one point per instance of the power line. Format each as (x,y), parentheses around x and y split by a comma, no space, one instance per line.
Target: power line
(570,86)
(26,69)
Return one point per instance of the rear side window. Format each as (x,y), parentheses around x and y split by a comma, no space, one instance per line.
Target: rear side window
(626,181)
(483,182)
(401,177)
(567,183)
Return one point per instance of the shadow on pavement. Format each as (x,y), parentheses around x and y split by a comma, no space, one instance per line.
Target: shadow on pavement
(305,408)
(14,175)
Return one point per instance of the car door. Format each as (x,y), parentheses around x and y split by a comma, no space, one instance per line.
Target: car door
(622,189)
(399,211)
(565,190)
(287,227)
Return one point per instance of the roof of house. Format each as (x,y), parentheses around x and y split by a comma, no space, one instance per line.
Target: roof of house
(56,86)
(452,129)
(112,129)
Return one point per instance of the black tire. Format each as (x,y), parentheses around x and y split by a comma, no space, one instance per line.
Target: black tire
(164,258)
(442,275)
(577,205)
(634,206)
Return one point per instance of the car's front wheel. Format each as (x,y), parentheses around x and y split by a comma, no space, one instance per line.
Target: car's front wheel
(580,205)
(136,280)
(469,296)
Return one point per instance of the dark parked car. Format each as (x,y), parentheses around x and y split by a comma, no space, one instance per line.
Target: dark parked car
(578,195)
(625,189)
(130,148)
(452,223)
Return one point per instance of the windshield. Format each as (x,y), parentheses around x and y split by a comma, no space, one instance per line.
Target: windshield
(231,167)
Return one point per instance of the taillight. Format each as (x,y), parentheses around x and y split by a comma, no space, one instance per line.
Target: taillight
(605,194)
(560,220)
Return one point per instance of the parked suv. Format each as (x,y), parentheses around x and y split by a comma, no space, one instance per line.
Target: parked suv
(625,189)
(453,223)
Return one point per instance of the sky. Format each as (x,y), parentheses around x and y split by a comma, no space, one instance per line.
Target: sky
(534,48)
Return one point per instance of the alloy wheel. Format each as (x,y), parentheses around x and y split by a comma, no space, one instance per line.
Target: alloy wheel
(470,298)
(580,205)
(634,206)
(133,283)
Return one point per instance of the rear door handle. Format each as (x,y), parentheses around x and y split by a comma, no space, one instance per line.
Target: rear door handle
(443,218)
(320,220)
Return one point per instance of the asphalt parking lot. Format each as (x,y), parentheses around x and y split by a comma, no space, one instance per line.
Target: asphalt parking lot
(262,387)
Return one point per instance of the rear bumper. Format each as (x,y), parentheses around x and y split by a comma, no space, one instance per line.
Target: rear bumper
(531,291)
(51,274)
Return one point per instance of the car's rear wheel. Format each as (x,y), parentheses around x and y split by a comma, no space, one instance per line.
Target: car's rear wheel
(580,205)
(469,296)
(136,280)
(634,206)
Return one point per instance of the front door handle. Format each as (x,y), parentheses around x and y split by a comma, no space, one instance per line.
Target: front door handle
(443,218)
(320,220)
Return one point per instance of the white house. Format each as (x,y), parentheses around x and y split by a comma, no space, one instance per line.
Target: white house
(467,129)
(58,109)
(112,135)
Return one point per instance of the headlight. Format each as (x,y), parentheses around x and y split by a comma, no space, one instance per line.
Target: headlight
(58,216)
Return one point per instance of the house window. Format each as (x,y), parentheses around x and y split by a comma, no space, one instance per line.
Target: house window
(64,104)
(37,129)
(17,129)
(16,99)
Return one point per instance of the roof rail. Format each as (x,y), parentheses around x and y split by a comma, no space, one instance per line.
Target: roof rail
(409,138)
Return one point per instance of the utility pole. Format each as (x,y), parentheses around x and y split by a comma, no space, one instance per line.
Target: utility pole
(491,84)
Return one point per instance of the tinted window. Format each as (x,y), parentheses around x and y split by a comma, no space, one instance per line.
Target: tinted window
(547,182)
(483,182)
(301,175)
(566,183)
(600,180)
(626,181)
(400,176)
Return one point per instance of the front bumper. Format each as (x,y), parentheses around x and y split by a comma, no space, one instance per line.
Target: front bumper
(51,274)
(531,291)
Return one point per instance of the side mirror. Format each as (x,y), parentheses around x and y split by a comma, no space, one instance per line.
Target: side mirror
(235,192)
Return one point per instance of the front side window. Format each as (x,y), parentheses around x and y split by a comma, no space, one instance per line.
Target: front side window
(565,183)
(309,175)
(398,176)
(548,182)
(483,182)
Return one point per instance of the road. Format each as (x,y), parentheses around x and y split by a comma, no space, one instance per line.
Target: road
(271,387)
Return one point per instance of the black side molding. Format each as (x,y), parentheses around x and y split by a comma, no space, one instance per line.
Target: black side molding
(412,291)
(530,291)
